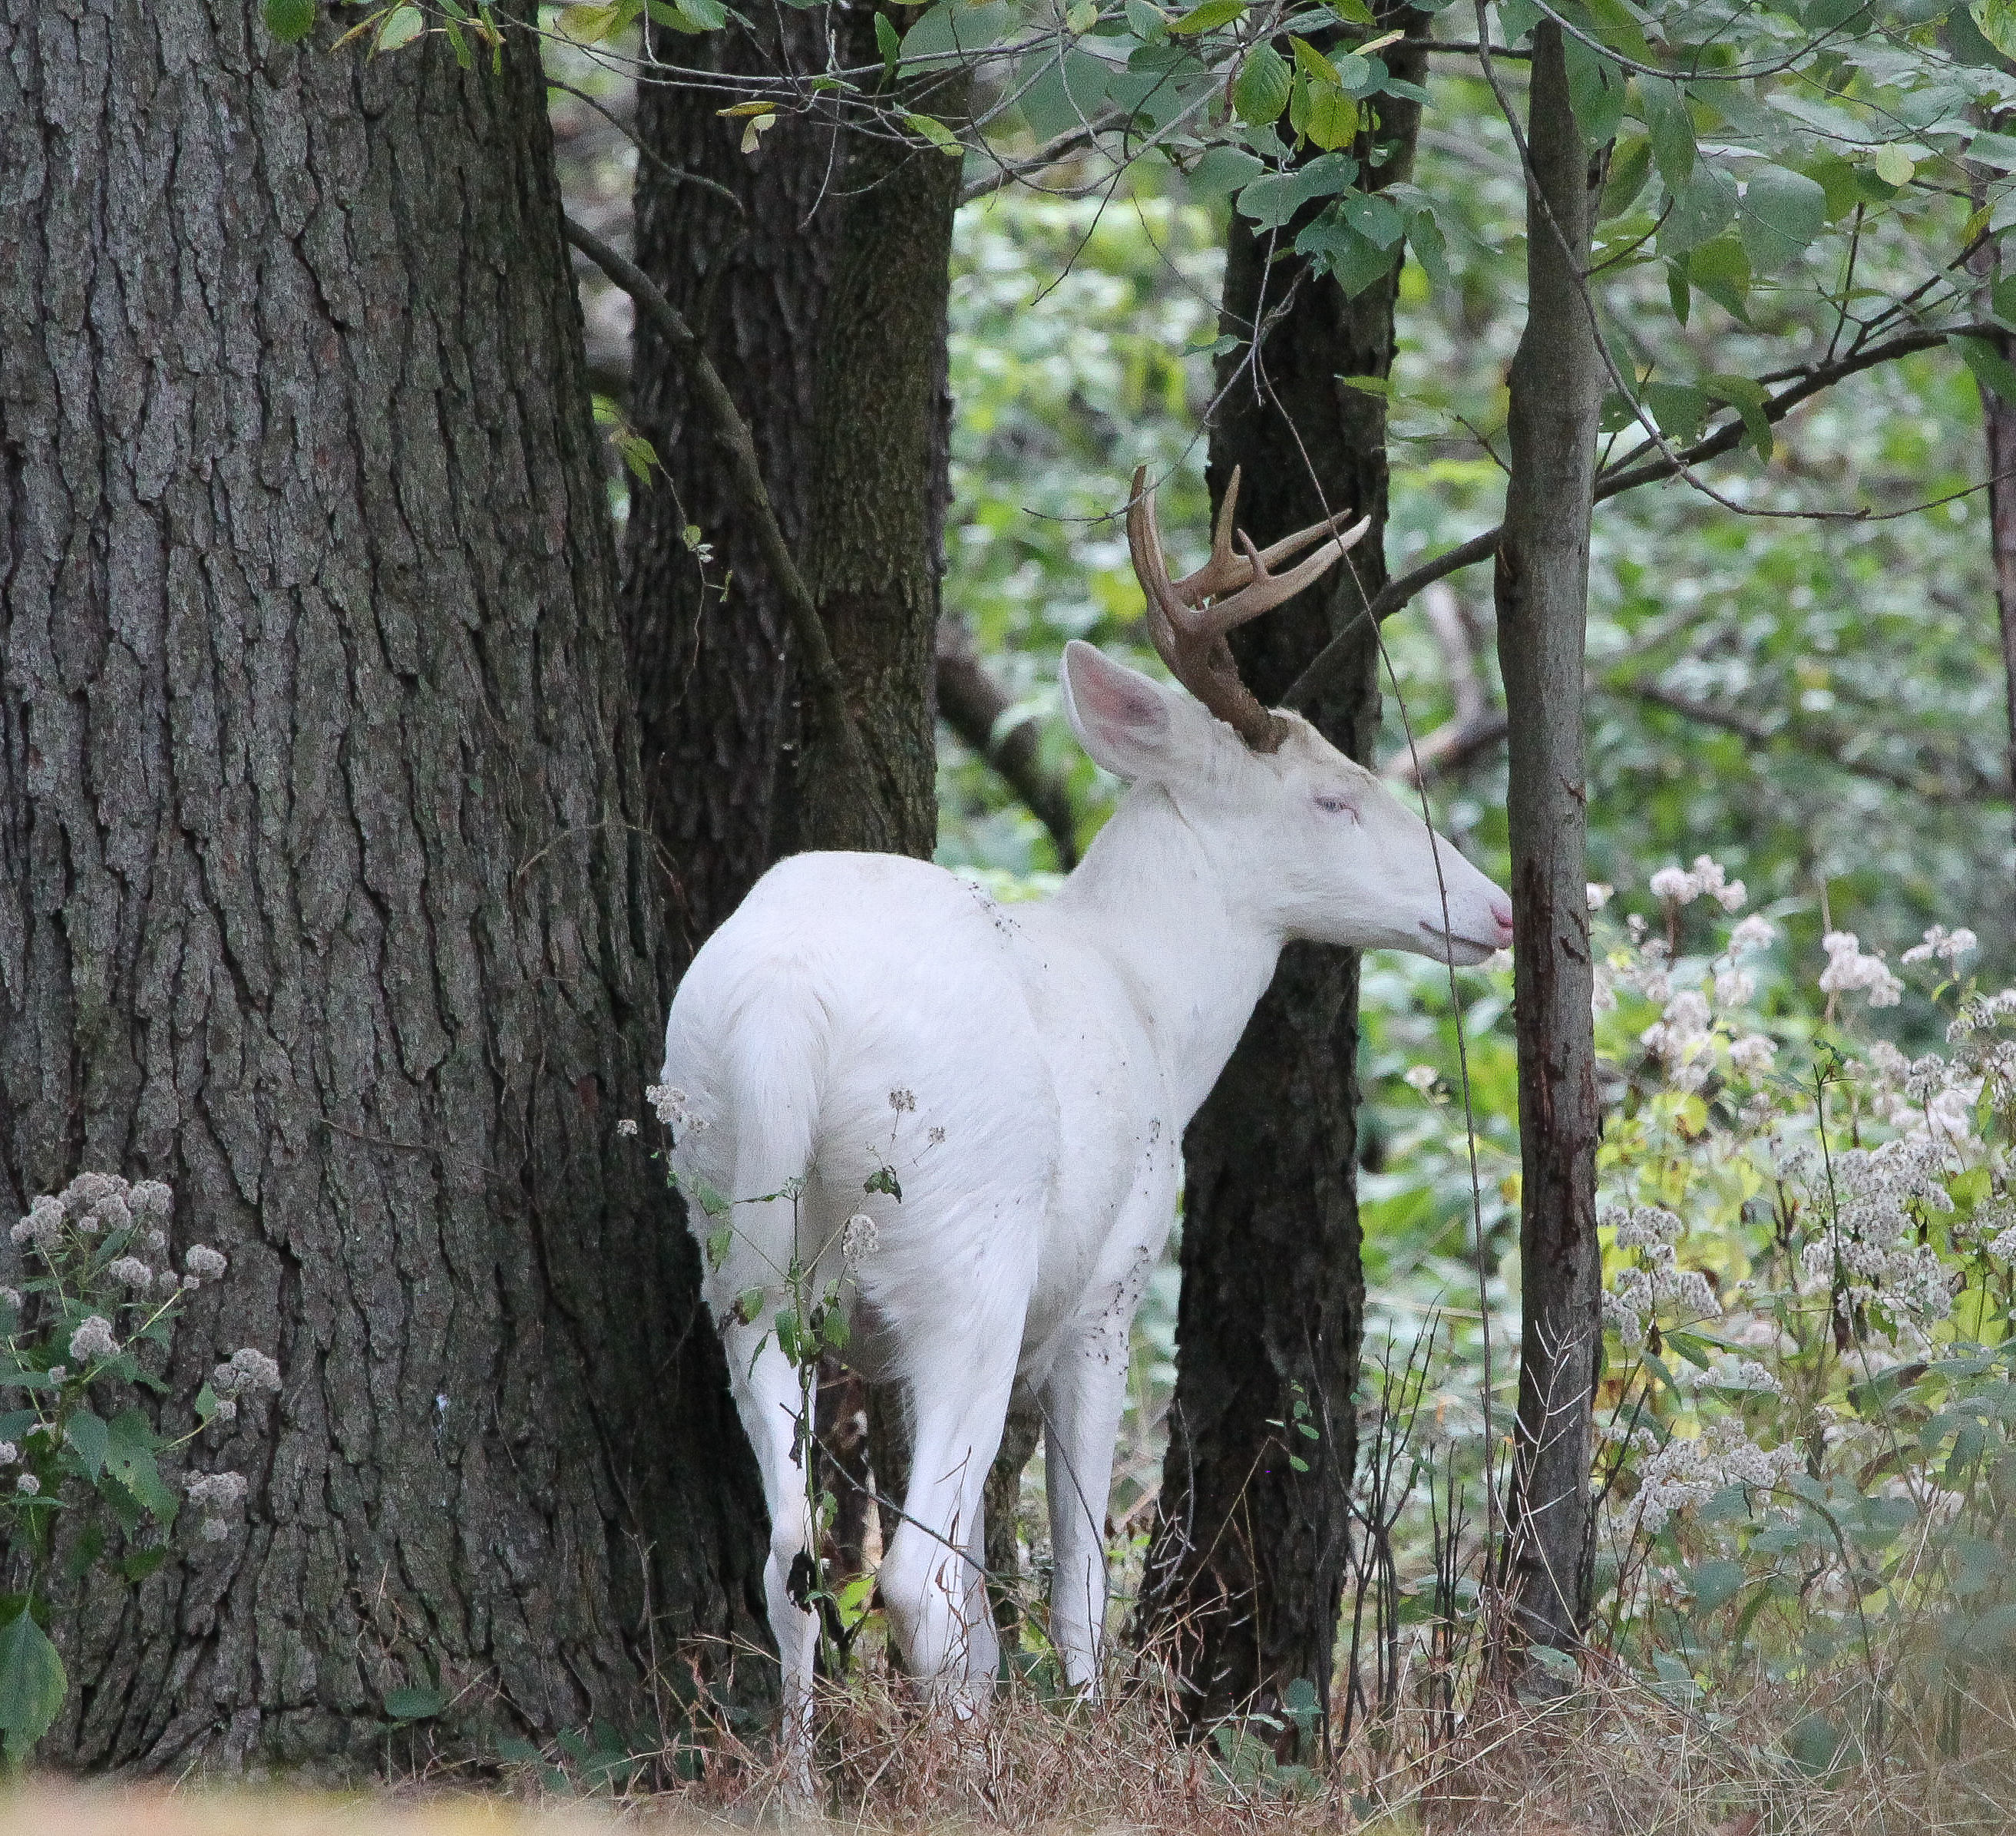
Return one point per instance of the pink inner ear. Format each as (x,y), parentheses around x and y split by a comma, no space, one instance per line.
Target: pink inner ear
(1117,699)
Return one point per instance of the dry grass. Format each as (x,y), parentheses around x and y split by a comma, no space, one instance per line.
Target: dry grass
(1616,1760)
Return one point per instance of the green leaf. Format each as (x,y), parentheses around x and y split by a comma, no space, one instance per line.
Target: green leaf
(289,20)
(32,1682)
(1783,212)
(1260,91)
(1424,237)
(888,40)
(1337,249)
(1596,89)
(415,1704)
(1312,64)
(403,24)
(1748,399)
(1555,1662)
(1893,165)
(1721,270)
(1353,13)
(136,1567)
(1374,218)
(2002,301)
(1664,105)
(1630,166)
(1701,209)
(1997,21)
(87,1435)
(1992,370)
(1714,1584)
(1207,16)
(1330,118)
(719,1242)
(936,132)
(1223,169)
(129,1458)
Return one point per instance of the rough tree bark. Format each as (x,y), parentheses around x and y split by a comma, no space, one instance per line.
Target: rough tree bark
(323,890)
(880,483)
(1542,594)
(713,669)
(1246,1563)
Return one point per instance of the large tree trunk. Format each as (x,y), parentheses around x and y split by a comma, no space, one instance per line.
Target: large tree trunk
(1542,596)
(322,891)
(1246,1563)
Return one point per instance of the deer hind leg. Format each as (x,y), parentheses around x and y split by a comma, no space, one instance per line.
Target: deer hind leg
(933,1579)
(770,1402)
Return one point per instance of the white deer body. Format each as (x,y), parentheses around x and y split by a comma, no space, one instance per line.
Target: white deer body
(1025,1072)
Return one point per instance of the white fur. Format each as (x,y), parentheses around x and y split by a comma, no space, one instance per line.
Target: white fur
(1061,1046)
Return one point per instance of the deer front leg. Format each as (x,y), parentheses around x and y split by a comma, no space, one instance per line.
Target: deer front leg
(1082,1400)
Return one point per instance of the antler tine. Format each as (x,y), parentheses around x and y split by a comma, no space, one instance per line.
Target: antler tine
(1224,571)
(1195,654)
(1264,591)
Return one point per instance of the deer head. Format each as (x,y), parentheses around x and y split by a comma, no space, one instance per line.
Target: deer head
(1313,838)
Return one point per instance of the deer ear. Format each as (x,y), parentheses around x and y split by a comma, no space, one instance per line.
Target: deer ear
(1121,718)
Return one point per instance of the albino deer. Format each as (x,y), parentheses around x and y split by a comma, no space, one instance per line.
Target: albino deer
(1025,1074)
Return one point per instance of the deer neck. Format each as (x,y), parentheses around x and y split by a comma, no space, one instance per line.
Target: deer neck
(1194,953)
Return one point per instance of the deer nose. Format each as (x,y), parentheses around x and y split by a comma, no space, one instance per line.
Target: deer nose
(1501,912)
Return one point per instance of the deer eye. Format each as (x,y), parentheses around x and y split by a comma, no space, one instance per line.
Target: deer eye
(1338,805)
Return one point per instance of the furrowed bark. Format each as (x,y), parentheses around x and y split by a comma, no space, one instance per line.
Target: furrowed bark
(713,659)
(1247,1562)
(878,495)
(1542,590)
(323,894)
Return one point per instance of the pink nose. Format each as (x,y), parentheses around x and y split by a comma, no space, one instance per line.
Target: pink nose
(1501,909)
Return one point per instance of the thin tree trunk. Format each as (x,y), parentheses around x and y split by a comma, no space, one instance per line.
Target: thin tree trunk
(1246,1563)
(1542,593)
(2000,418)
(322,895)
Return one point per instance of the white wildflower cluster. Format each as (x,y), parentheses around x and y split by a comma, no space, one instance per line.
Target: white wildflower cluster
(94,1205)
(1635,1292)
(1942,946)
(1677,885)
(1868,1249)
(1686,1472)
(1849,969)
(1726,1371)
(213,1493)
(93,1339)
(1923,1096)
(1419,1077)
(245,1373)
(1599,895)
(674,1108)
(857,1240)
(1682,1039)
(626,1129)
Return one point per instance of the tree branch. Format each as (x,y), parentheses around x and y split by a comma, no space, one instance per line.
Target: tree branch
(973,704)
(1625,475)
(815,652)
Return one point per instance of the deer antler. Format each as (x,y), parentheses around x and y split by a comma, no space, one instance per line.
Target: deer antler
(1189,634)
